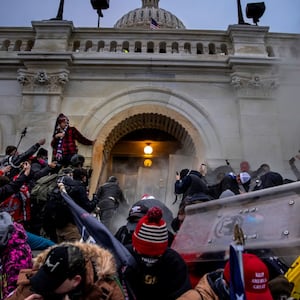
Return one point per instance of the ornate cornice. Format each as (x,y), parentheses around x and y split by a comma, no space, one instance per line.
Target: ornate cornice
(42,81)
(254,85)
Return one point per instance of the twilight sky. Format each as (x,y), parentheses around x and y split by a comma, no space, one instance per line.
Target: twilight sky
(280,15)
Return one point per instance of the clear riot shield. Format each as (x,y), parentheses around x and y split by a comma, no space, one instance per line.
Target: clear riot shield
(269,219)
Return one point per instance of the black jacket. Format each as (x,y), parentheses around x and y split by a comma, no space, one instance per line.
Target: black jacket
(16,160)
(167,279)
(111,189)
(193,187)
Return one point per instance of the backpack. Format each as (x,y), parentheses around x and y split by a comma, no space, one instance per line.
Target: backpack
(55,213)
(43,187)
(123,235)
(293,275)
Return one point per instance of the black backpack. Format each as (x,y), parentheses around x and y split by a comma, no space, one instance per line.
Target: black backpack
(55,213)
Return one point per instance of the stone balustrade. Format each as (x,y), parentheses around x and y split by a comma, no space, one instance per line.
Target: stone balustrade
(199,43)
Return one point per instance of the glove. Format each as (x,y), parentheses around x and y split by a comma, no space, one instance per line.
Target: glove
(280,286)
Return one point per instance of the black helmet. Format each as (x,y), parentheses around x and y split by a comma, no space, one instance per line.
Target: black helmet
(77,160)
(112,179)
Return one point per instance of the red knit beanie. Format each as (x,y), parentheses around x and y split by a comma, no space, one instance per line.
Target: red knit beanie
(151,234)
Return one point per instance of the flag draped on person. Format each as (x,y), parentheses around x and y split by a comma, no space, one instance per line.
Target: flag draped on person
(153,24)
(93,231)
(236,284)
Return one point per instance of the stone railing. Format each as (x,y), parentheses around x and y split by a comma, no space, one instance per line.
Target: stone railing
(158,42)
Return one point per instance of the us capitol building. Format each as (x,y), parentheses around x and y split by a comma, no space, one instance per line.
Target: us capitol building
(192,95)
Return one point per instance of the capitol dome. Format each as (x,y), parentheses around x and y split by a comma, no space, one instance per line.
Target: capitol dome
(140,18)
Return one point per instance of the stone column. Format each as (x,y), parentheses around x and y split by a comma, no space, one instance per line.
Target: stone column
(256,91)
(255,79)
(43,78)
(248,39)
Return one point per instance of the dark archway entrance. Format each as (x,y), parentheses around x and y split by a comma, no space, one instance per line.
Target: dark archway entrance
(123,154)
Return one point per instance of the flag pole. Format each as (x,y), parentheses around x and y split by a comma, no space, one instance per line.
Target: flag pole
(239,245)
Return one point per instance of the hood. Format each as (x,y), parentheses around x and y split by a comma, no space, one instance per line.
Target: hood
(96,257)
(18,236)
(194,172)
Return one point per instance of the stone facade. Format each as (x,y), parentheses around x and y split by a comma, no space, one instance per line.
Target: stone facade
(226,94)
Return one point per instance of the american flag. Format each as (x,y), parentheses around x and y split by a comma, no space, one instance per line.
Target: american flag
(153,24)
(237,290)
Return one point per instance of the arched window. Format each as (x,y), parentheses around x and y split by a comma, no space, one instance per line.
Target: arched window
(175,47)
(199,48)
(224,49)
(101,46)
(17,46)
(113,46)
(138,47)
(88,46)
(5,45)
(29,45)
(162,47)
(211,48)
(76,46)
(125,47)
(187,48)
(150,47)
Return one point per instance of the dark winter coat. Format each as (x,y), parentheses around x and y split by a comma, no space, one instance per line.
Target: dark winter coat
(269,179)
(57,211)
(111,189)
(166,279)
(193,187)
(16,160)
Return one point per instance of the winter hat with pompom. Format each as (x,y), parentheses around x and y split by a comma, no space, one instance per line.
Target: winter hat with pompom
(151,234)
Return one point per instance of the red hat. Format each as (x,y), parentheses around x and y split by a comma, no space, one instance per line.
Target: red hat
(151,234)
(256,277)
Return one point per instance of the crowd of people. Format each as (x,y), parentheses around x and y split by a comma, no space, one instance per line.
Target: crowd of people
(35,217)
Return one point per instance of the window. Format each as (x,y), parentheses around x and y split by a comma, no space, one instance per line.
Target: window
(17,46)
(76,46)
(113,46)
(199,48)
(138,47)
(88,46)
(101,46)
(175,47)
(211,48)
(150,47)
(187,48)
(224,49)
(162,47)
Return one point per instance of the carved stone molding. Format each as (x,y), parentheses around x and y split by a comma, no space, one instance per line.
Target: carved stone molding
(254,85)
(42,81)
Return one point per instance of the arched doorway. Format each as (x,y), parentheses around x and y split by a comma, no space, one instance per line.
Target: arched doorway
(139,108)
(140,173)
